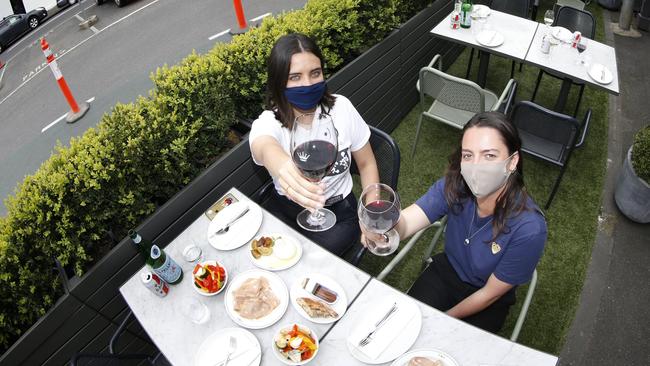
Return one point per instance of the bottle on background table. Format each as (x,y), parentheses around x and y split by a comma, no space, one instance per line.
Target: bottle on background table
(156,258)
(466,14)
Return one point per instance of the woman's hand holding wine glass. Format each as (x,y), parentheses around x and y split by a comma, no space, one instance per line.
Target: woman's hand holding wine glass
(298,189)
(314,148)
(379,211)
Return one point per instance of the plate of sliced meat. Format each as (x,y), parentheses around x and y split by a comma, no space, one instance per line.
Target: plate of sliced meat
(256,299)
(318,298)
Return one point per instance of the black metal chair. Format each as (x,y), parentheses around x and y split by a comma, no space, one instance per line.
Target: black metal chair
(520,8)
(387,156)
(113,357)
(549,135)
(574,20)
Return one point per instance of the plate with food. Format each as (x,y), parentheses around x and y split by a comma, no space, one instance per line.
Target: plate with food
(275,252)
(214,348)
(256,299)
(425,357)
(318,298)
(235,225)
(209,277)
(295,344)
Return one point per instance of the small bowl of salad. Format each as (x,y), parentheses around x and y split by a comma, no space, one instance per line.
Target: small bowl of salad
(209,277)
(295,344)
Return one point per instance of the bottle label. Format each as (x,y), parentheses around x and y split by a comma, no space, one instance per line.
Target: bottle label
(169,271)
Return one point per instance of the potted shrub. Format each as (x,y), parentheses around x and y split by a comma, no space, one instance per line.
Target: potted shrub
(632,193)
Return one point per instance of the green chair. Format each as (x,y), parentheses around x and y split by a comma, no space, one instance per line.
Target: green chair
(456,100)
(440,228)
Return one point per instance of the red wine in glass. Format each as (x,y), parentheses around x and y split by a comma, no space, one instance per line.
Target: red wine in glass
(314,158)
(379,211)
(581,47)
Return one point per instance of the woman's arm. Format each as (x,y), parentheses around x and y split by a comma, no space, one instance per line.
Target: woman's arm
(268,152)
(365,160)
(481,299)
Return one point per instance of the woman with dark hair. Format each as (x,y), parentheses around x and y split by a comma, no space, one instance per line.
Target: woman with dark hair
(495,233)
(296,86)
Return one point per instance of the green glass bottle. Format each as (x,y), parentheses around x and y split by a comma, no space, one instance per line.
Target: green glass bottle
(157,259)
(465,14)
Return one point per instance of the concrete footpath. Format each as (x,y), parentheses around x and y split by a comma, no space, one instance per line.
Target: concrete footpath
(612,323)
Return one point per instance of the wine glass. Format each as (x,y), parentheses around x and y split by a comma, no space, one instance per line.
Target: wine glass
(193,309)
(379,212)
(548,19)
(582,47)
(314,148)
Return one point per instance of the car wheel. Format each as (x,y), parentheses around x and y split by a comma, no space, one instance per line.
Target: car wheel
(72,2)
(99,2)
(33,22)
(120,3)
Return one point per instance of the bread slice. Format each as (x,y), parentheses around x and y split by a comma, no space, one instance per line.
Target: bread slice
(316,308)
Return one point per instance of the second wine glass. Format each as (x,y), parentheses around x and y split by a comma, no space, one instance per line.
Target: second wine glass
(379,211)
(314,148)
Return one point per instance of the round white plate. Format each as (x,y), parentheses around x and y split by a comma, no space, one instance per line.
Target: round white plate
(433,354)
(340,306)
(240,232)
(562,34)
(402,341)
(490,38)
(214,348)
(480,11)
(273,262)
(600,74)
(277,286)
(225,283)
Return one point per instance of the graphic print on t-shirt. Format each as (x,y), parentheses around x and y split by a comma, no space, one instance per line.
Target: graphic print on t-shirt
(342,163)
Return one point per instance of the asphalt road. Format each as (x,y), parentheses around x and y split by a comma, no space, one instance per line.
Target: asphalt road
(111,62)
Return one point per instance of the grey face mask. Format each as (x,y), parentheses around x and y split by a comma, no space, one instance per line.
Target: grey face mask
(485,178)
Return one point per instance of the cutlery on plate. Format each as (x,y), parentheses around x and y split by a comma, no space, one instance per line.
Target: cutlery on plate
(234,357)
(367,339)
(232,347)
(227,227)
(602,74)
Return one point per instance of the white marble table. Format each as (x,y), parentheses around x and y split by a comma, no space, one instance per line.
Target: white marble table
(468,345)
(517,32)
(562,61)
(179,339)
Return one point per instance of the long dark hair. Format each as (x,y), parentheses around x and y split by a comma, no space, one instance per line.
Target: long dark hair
(278,75)
(513,198)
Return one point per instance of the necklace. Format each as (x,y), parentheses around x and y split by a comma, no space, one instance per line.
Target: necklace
(469,230)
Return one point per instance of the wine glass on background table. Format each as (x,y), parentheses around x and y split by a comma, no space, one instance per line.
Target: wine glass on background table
(582,47)
(314,148)
(549,17)
(379,212)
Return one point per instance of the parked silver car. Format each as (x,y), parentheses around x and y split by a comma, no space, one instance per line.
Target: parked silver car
(12,27)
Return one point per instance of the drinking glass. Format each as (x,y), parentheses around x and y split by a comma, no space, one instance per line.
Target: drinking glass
(194,309)
(379,211)
(192,253)
(582,47)
(314,148)
(548,18)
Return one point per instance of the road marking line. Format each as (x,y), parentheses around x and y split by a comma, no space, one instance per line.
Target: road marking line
(219,34)
(62,117)
(260,17)
(95,30)
(79,17)
(74,47)
(2,73)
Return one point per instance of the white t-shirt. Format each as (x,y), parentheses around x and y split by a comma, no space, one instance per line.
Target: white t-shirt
(353,135)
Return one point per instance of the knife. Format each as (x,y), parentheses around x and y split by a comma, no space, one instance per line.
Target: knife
(236,355)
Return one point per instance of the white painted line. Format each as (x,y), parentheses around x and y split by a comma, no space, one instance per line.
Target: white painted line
(2,73)
(62,117)
(260,17)
(79,17)
(77,45)
(219,34)
(95,30)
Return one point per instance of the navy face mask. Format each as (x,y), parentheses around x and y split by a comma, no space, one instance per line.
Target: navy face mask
(305,97)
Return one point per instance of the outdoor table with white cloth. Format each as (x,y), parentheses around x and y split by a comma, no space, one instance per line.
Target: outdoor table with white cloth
(522,42)
(414,326)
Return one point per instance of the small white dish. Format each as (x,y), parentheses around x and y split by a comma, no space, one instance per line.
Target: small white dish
(432,354)
(562,34)
(286,253)
(601,74)
(241,231)
(277,286)
(490,38)
(480,11)
(282,358)
(214,348)
(340,306)
(225,281)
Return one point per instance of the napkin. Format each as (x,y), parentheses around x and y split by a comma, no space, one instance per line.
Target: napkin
(230,213)
(387,333)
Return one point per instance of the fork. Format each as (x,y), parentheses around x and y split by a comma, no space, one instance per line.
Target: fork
(227,227)
(382,321)
(232,346)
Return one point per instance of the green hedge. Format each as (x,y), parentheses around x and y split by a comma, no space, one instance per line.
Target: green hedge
(140,154)
(641,154)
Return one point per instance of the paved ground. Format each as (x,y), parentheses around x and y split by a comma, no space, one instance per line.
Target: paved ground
(612,324)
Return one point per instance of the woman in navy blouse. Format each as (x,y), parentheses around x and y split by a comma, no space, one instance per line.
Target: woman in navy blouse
(495,232)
